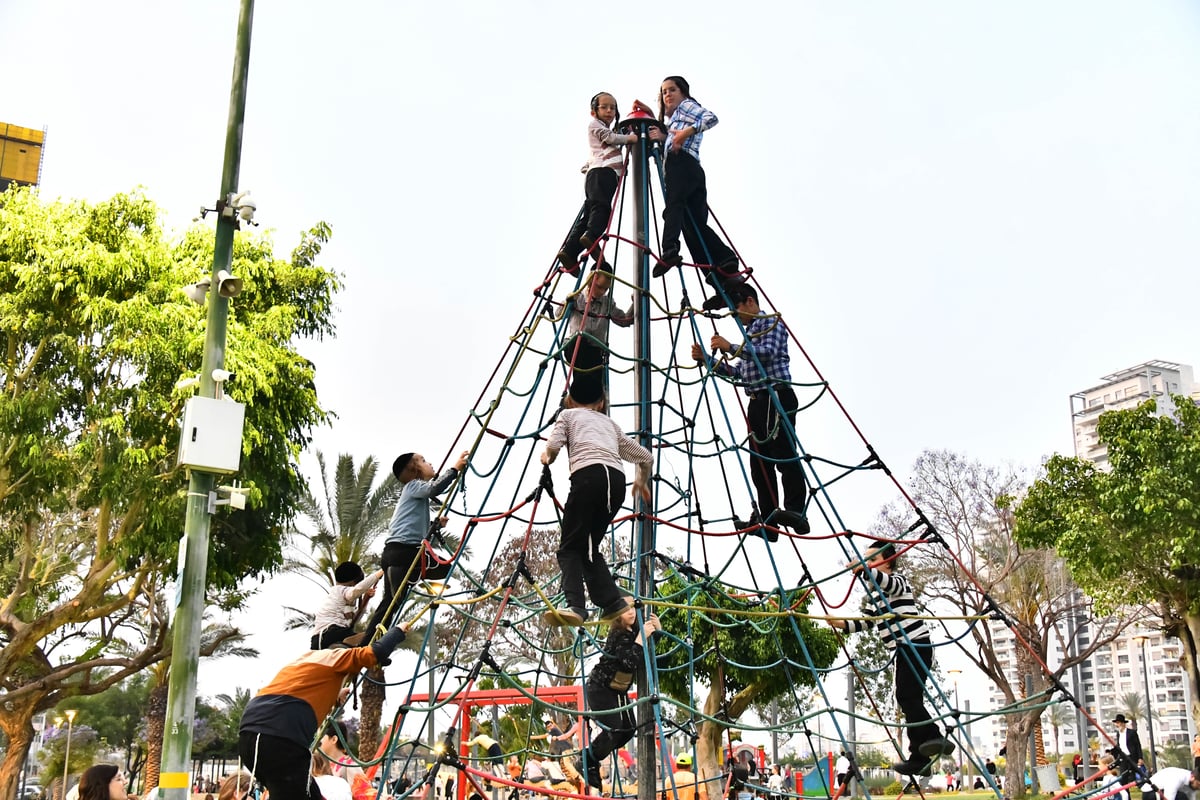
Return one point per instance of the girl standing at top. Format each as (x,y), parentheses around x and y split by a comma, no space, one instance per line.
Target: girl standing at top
(604,169)
(686,189)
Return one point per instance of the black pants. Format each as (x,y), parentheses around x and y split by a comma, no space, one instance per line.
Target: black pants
(396,561)
(334,634)
(913,664)
(773,450)
(598,189)
(686,209)
(595,498)
(587,360)
(280,765)
(617,727)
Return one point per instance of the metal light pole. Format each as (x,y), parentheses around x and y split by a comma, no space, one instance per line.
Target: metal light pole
(67,757)
(174,778)
(1141,640)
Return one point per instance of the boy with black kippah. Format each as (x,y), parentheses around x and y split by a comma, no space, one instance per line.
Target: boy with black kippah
(409,528)
(894,614)
(343,605)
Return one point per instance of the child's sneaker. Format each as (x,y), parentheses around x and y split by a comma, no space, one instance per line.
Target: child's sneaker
(569,264)
(670,258)
(615,610)
(565,617)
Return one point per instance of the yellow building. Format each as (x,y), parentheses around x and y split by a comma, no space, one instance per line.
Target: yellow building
(20,155)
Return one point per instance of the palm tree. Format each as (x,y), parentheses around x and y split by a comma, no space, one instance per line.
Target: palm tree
(345,525)
(216,640)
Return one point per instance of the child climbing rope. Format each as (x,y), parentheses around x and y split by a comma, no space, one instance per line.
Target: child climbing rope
(904,633)
(772,447)
(343,604)
(604,169)
(596,445)
(607,688)
(590,313)
(685,206)
(408,530)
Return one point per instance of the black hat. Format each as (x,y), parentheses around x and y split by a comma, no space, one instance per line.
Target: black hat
(400,463)
(348,571)
(1120,718)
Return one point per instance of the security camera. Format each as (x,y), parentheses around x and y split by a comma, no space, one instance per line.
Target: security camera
(221,375)
(196,291)
(247,208)
(228,285)
(187,383)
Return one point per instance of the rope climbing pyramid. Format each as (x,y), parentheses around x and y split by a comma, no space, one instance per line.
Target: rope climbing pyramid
(744,554)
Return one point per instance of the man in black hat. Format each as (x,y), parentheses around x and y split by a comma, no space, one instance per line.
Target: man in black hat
(1128,743)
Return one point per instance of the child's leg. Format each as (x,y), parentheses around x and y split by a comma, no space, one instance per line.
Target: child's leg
(680,180)
(782,448)
(913,664)
(616,728)
(587,492)
(762,470)
(600,186)
(601,587)
(396,561)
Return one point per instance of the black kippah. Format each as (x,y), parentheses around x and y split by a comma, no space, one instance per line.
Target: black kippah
(400,463)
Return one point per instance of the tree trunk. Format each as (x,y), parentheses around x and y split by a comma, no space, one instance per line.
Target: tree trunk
(1187,630)
(373,693)
(709,764)
(1039,742)
(18,728)
(156,720)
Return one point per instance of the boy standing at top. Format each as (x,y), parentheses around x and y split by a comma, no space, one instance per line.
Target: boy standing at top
(409,528)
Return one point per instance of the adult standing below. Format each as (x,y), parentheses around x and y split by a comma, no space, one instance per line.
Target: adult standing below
(1128,743)
(763,369)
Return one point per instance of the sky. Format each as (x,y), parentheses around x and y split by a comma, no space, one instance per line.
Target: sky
(965,211)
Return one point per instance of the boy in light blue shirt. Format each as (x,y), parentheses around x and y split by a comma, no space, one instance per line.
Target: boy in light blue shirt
(409,528)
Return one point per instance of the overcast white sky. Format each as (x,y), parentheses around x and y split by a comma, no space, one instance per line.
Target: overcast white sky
(965,211)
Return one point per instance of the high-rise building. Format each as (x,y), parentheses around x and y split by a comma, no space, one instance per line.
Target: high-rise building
(20,155)
(1141,662)
(1126,389)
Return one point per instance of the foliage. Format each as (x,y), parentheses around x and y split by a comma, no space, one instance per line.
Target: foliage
(969,562)
(345,522)
(84,742)
(746,660)
(97,335)
(117,716)
(1128,533)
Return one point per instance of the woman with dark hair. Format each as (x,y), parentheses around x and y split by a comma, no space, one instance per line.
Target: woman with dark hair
(102,782)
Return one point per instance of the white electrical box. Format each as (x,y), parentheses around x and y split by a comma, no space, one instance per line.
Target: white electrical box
(211,439)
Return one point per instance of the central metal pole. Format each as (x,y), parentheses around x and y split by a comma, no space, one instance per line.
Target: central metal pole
(175,779)
(1149,707)
(646,755)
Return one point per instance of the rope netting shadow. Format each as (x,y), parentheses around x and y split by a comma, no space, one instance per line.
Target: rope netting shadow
(743,595)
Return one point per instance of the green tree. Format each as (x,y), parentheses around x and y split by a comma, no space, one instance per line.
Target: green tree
(117,714)
(97,336)
(344,526)
(774,654)
(975,566)
(1129,534)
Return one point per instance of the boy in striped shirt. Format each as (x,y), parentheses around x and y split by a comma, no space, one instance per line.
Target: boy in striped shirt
(903,631)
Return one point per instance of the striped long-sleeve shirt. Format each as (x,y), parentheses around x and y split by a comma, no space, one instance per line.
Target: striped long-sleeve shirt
(898,600)
(594,438)
(689,113)
(605,144)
